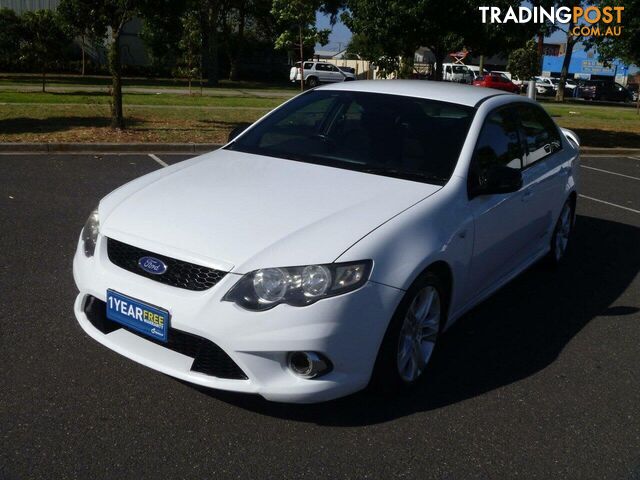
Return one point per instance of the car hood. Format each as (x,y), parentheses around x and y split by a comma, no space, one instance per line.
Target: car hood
(237,211)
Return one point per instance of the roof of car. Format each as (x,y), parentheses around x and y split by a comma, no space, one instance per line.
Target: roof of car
(443,91)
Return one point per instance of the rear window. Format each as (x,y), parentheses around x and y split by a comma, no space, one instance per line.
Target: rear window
(392,135)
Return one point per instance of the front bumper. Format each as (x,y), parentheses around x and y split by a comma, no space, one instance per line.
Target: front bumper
(348,329)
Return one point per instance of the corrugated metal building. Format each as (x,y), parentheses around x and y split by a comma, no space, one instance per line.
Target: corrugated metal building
(132,47)
(20,6)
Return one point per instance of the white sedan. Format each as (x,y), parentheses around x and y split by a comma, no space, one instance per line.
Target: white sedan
(329,245)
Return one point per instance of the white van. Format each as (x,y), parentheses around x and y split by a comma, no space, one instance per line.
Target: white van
(456,72)
(475,70)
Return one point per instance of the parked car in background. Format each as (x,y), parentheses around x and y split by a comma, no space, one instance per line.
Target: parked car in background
(316,72)
(514,78)
(604,90)
(475,71)
(352,226)
(455,72)
(544,86)
(497,81)
(348,70)
(518,83)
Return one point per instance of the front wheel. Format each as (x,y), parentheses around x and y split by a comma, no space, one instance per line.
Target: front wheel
(312,82)
(412,335)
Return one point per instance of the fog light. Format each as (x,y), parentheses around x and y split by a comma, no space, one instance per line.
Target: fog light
(308,364)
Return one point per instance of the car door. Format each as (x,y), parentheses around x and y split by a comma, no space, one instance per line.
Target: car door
(543,175)
(323,72)
(335,74)
(500,220)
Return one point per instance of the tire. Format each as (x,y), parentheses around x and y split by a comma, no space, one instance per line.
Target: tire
(561,238)
(393,370)
(312,82)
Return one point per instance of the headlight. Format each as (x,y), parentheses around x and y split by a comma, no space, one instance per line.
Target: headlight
(90,233)
(298,286)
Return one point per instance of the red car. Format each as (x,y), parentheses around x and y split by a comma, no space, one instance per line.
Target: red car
(497,81)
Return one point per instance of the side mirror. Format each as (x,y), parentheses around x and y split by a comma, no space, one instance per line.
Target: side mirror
(499,179)
(237,130)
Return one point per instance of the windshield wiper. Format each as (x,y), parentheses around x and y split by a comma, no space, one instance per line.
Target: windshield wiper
(393,172)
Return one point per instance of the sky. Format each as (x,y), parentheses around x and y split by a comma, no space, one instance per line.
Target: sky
(340,35)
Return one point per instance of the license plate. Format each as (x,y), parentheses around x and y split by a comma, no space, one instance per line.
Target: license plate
(139,316)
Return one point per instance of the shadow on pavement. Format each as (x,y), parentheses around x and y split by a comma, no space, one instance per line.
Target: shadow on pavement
(607,139)
(516,333)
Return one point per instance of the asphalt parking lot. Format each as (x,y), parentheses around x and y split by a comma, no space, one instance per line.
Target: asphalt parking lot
(540,381)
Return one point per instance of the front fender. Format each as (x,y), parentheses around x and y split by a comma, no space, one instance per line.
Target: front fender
(440,228)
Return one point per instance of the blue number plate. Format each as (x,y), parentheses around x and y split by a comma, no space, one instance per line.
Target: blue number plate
(139,316)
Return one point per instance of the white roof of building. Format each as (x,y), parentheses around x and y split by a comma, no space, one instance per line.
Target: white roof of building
(443,91)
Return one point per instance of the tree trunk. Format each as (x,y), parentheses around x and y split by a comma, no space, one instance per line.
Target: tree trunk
(44,80)
(115,68)
(439,60)
(571,40)
(301,58)
(237,53)
(406,65)
(481,66)
(540,51)
(209,25)
(83,54)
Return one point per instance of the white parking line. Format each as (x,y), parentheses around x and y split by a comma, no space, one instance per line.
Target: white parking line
(609,203)
(610,173)
(634,158)
(159,160)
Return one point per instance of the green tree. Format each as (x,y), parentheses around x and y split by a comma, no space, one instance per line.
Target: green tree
(296,23)
(43,40)
(209,25)
(379,54)
(385,31)
(109,18)
(571,42)
(525,62)
(161,32)
(484,39)
(10,33)
(626,46)
(190,46)
(396,28)
(78,19)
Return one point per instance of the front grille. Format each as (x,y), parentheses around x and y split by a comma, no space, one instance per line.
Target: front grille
(179,274)
(208,358)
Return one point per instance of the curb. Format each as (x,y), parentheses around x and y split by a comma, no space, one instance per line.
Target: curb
(108,147)
(194,148)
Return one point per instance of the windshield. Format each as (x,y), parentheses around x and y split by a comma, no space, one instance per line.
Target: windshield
(460,69)
(391,135)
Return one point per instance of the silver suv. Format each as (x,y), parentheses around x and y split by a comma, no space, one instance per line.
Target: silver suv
(316,73)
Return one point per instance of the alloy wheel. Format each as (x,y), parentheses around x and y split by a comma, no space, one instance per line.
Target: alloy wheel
(563,231)
(418,334)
